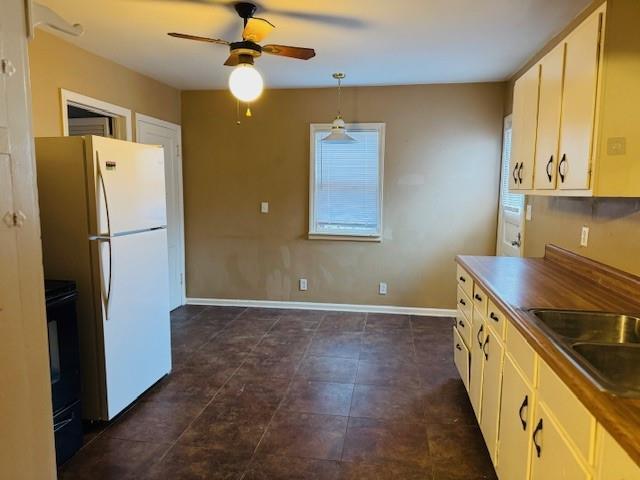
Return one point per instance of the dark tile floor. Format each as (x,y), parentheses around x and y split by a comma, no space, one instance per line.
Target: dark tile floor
(260,394)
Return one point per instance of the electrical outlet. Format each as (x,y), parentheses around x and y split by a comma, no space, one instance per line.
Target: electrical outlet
(584,237)
(382,288)
(527,215)
(264,207)
(303,284)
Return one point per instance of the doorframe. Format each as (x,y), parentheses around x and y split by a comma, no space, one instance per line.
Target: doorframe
(140,119)
(123,128)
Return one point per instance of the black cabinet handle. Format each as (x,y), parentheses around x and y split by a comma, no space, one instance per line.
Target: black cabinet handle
(458,346)
(461,323)
(563,161)
(478,335)
(520,172)
(525,404)
(462,302)
(494,317)
(462,279)
(477,297)
(550,169)
(486,342)
(535,438)
(515,174)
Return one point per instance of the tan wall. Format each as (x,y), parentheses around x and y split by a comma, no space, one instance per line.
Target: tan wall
(614,236)
(441,187)
(58,64)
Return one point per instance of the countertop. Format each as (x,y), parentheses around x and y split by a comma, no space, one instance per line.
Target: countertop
(520,284)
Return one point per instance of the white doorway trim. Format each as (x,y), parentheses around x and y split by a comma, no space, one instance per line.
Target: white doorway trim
(68,97)
(145,119)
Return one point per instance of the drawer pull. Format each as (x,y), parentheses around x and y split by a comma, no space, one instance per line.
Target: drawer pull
(462,279)
(477,297)
(525,404)
(478,335)
(486,342)
(462,302)
(458,346)
(493,316)
(461,323)
(535,438)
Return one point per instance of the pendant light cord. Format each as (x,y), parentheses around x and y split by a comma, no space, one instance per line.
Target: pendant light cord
(339,97)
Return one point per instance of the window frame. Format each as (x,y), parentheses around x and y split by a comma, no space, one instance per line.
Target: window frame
(350,127)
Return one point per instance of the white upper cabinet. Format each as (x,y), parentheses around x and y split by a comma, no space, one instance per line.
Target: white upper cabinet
(551,81)
(579,103)
(525,120)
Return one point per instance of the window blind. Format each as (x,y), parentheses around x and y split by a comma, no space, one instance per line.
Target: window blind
(347,184)
(510,201)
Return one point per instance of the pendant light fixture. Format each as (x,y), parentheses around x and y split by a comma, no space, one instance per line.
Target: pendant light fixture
(338,131)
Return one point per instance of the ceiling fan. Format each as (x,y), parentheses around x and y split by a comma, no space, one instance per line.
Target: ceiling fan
(245,82)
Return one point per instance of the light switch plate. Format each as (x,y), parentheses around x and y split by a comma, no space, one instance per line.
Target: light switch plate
(382,288)
(584,236)
(264,207)
(527,215)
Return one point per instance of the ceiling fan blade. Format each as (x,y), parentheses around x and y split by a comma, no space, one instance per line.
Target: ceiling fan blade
(232,61)
(292,52)
(257,29)
(197,38)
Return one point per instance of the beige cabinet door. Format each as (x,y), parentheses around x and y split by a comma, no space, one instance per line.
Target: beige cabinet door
(516,417)
(551,77)
(613,462)
(578,104)
(493,352)
(551,455)
(477,365)
(525,124)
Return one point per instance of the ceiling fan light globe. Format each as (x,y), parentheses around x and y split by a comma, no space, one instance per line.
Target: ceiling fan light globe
(246,83)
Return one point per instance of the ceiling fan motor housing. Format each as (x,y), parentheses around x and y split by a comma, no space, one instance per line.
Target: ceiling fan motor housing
(246,50)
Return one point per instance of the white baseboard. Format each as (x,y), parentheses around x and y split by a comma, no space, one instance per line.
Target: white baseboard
(345,307)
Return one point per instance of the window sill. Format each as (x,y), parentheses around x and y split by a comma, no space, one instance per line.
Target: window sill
(345,238)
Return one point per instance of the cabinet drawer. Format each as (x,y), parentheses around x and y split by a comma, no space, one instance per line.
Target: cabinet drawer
(521,352)
(465,281)
(480,300)
(577,423)
(496,319)
(464,326)
(461,358)
(465,305)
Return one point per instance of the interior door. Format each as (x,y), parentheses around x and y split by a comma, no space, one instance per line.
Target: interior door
(578,104)
(516,416)
(525,126)
(551,78)
(511,212)
(137,344)
(129,181)
(154,132)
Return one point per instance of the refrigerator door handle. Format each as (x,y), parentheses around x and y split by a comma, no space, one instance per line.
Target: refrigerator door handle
(104,194)
(105,291)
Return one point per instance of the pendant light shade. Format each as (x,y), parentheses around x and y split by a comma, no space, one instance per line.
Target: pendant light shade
(245,83)
(338,130)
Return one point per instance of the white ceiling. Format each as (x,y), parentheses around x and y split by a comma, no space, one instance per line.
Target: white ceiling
(376,42)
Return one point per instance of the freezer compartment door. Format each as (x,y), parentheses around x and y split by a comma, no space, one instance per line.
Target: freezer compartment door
(127,186)
(135,319)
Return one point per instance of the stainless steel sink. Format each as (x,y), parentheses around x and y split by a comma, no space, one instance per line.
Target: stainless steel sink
(605,345)
(591,326)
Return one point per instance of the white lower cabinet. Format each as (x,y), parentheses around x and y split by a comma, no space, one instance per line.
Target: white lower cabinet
(493,354)
(552,457)
(476,368)
(516,418)
(461,357)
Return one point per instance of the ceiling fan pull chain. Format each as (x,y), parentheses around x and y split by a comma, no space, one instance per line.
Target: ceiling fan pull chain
(237,112)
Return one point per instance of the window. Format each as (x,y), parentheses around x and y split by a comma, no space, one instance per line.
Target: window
(346,183)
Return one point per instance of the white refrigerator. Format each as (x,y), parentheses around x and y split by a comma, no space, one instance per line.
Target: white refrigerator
(103,217)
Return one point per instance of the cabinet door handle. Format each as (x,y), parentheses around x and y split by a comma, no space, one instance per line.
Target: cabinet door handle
(563,161)
(478,335)
(535,438)
(462,279)
(462,302)
(494,317)
(461,323)
(486,342)
(477,297)
(520,173)
(515,173)
(525,404)
(550,169)
(458,346)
